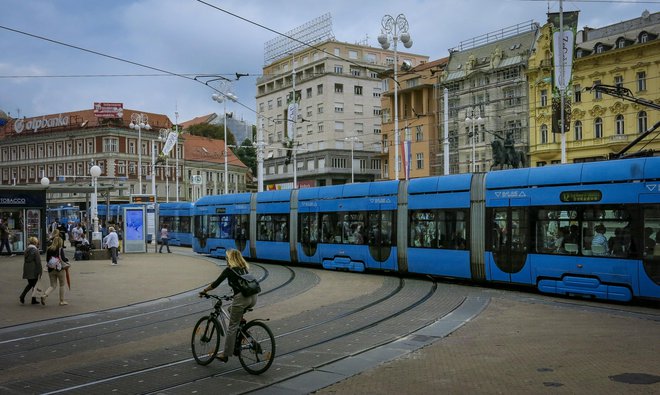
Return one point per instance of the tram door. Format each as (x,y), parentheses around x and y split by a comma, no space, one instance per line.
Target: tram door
(509,235)
(381,236)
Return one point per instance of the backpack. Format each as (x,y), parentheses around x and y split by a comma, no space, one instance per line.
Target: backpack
(247,284)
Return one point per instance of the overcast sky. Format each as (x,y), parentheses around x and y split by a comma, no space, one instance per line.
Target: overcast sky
(190,37)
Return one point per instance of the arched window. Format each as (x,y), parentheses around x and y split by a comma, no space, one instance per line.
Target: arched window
(643,37)
(620,43)
(599,48)
(544,134)
(578,130)
(620,125)
(641,122)
(598,128)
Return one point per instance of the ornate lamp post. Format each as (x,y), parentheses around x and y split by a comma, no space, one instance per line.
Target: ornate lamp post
(225,95)
(139,122)
(395,29)
(95,172)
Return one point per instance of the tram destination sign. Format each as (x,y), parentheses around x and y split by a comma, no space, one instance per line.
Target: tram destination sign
(580,196)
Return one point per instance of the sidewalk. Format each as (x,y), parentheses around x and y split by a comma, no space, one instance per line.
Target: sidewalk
(98,285)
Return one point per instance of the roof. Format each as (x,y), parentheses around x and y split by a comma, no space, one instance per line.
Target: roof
(203,119)
(205,149)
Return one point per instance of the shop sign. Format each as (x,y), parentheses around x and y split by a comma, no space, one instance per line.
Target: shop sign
(109,110)
(14,198)
(35,124)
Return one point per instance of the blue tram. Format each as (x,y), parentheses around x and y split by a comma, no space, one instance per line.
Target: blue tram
(178,217)
(588,229)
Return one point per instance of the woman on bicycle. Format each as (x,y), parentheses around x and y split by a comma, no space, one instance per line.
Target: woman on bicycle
(236,265)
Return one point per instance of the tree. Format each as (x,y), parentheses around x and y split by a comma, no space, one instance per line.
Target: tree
(212,131)
(247,153)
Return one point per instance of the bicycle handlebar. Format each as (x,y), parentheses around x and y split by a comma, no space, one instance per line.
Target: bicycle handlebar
(216,297)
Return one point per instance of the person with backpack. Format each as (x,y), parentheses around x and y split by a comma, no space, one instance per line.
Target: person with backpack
(236,266)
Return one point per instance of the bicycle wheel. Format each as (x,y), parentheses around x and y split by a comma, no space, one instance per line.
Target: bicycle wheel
(257,347)
(205,340)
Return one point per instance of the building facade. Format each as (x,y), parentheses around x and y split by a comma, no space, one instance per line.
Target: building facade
(626,55)
(418,113)
(487,98)
(63,147)
(337,133)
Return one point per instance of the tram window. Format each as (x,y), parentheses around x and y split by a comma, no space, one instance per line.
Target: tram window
(184,225)
(309,232)
(423,229)
(557,231)
(273,227)
(652,232)
(380,229)
(606,231)
(651,242)
(452,229)
(328,221)
(240,229)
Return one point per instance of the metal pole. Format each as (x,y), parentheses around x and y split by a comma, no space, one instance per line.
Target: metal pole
(446,134)
(352,160)
(140,154)
(474,147)
(562,82)
(396,109)
(260,155)
(176,152)
(153,168)
(224,104)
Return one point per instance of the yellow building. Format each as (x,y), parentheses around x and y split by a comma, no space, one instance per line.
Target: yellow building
(626,54)
(418,121)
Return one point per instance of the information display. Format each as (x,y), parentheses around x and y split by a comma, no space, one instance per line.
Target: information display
(134,230)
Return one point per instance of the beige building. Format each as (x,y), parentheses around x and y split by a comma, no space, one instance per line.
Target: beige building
(339,87)
(625,54)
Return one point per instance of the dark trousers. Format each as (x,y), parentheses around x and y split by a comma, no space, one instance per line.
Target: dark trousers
(31,284)
(5,242)
(164,242)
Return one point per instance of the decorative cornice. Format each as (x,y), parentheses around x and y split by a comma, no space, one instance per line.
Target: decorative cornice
(577,114)
(596,74)
(640,65)
(618,108)
(597,111)
(618,69)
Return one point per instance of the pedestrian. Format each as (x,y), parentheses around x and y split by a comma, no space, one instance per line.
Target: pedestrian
(236,265)
(111,241)
(56,274)
(4,237)
(32,269)
(164,239)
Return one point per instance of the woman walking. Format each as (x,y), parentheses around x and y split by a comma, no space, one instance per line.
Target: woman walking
(56,274)
(31,268)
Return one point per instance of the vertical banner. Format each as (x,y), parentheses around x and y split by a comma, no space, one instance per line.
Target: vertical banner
(563,44)
(291,118)
(172,139)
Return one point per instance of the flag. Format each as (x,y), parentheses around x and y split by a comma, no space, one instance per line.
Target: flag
(172,139)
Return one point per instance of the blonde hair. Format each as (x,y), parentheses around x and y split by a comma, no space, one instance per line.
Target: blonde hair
(111,229)
(56,244)
(235,259)
(33,241)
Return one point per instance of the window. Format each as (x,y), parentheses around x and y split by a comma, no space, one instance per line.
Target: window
(339,107)
(446,229)
(359,128)
(359,109)
(272,227)
(279,102)
(352,54)
(110,144)
(544,97)
(357,90)
(355,72)
(544,134)
(420,160)
(309,93)
(319,108)
(577,93)
(599,48)
(319,89)
(598,128)
(597,94)
(641,122)
(339,126)
(641,80)
(643,38)
(618,81)
(376,92)
(419,133)
(620,125)
(339,69)
(319,127)
(620,43)
(339,88)
(578,130)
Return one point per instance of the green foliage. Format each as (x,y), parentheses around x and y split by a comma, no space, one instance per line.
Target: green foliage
(247,153)
(212,131)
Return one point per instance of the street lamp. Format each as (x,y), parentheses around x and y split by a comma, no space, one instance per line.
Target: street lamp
(353,140)
(222,98)
(45,181)
(139,122)
(95,172)
(396,29)
(472,122)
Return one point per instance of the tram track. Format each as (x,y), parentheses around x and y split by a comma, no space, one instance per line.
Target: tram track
(282,338)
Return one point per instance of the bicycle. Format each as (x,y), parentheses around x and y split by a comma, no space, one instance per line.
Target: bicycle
(255,343)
